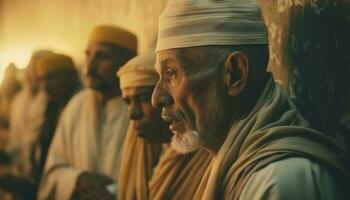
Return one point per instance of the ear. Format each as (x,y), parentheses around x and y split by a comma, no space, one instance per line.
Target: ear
(236,72)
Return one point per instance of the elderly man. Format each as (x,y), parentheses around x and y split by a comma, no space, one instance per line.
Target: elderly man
(215,91)
(83,160)
(176,176)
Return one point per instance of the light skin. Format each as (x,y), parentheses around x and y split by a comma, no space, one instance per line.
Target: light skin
(147,121)
(195,100)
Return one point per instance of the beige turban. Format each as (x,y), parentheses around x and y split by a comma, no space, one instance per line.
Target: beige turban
(115,36)
(189,23)
(52,63)
(139,71)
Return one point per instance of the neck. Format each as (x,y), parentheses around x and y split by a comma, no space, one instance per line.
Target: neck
(216,143)
(241,107)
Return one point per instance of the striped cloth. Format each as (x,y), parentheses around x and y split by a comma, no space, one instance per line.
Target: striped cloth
(188,23)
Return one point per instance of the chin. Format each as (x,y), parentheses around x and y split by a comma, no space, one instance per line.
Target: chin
(187,142)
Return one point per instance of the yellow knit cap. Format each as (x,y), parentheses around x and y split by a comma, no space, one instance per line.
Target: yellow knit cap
(115,36)
(53,63)
(139,71)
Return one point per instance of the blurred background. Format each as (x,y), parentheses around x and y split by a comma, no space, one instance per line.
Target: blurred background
(63,25)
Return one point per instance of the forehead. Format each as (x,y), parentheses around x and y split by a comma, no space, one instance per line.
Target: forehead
(168,58)
(135,91)
(99,46)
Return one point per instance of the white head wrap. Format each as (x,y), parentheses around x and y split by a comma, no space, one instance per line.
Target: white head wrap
(139,71)
(189,23)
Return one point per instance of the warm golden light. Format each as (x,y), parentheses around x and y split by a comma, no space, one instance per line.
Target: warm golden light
(17,55)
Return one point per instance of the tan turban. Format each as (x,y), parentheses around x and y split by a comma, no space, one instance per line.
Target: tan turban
(139,71)
(136,167)
(115,36)
(52,63)
(189,23)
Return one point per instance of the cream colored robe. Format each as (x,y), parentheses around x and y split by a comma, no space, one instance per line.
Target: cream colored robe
(89,137)
(137,165)
(271,154)
(27,116)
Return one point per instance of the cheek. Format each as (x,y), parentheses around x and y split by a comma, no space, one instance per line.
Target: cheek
(150,113)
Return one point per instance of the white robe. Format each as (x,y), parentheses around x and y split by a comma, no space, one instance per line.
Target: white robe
(89,137)
(26,119)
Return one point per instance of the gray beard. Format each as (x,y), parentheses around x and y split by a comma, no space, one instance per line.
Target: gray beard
(186,142)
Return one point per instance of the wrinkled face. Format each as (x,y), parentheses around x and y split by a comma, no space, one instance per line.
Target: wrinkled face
(102,62)
(147,119)
(193,100)
(59,85)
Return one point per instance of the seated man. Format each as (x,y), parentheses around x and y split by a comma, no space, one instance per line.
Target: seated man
(83,160)
(215,91)
(174,176)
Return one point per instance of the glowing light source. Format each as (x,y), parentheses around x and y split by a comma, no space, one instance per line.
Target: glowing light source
(17,55)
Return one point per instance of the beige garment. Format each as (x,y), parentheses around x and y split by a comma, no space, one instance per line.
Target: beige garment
(89,137)
(136,167)
(276,182)
(27,116)
(273,131)
(177,176)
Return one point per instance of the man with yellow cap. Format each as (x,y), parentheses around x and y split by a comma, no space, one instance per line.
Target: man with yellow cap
(83,160)
(60,81)
(215,91)
(172,175)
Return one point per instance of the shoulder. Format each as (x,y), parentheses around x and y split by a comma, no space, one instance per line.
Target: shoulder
(74,106)
(76,101)
(292,178)
(77,98)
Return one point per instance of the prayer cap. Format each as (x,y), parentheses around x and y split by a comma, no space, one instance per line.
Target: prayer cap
(114,35)
(53,63)
(189,23)
(139,71)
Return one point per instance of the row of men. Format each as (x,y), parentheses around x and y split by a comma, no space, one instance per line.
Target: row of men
(235,132)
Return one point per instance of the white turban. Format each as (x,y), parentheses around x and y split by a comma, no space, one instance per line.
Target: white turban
(189,23)
(139,71)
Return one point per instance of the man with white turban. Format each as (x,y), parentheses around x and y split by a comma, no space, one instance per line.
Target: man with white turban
(83,160)
(144,173)
(215,91)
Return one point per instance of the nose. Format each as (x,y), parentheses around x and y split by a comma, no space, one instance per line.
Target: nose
(135,112)
(160,96)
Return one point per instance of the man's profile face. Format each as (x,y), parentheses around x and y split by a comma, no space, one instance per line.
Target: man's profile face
(102,62)
(147,122)
(193,102)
